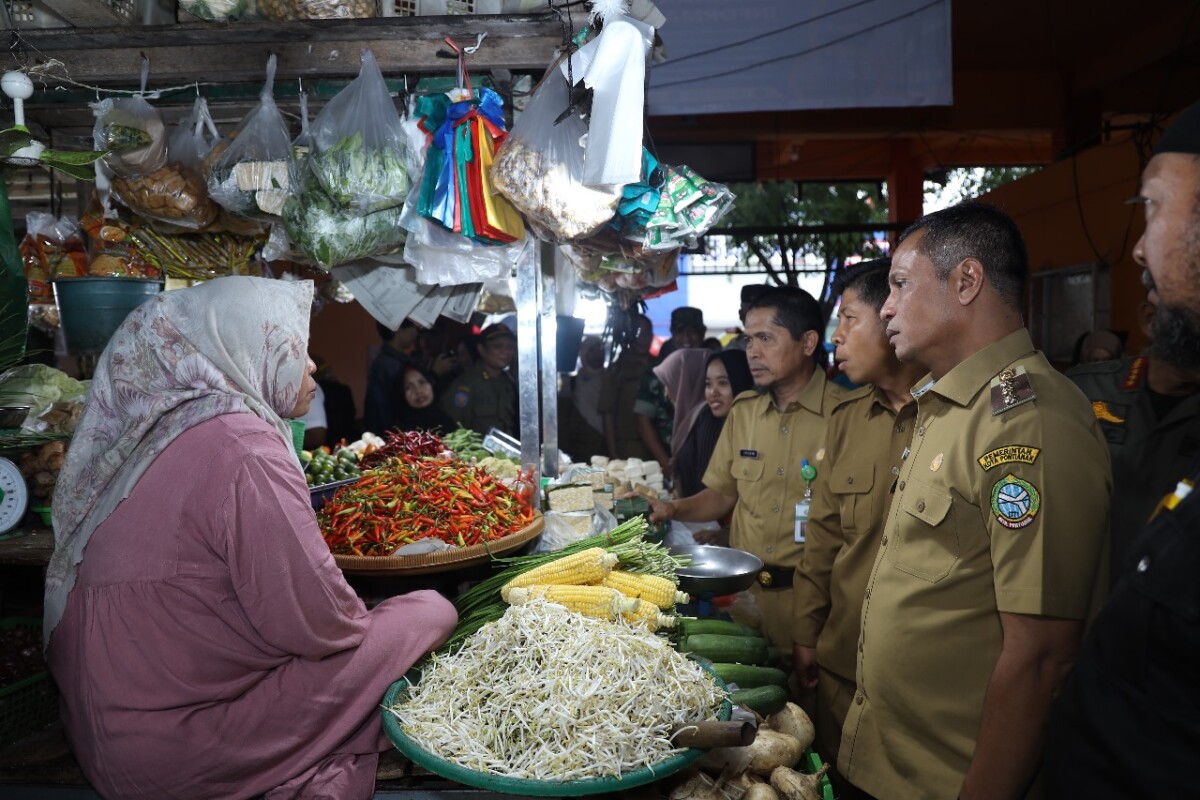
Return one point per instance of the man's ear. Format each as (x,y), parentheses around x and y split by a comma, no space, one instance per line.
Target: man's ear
(809,341)
(968,280)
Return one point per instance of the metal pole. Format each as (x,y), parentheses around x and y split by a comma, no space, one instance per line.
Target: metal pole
(549,356)
(528,278)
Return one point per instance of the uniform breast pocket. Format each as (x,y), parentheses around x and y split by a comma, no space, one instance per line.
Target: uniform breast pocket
(852,487)
(925,539)
(748,470)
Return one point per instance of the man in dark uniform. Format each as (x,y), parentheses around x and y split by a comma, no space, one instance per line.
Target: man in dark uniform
(1127,722)
(1149,411)
(485,396)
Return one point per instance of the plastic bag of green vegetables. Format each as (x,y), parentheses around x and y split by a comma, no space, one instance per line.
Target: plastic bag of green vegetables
(132,131)
(330,235)
(357,144)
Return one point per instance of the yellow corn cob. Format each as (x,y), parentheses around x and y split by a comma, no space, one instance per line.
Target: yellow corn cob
(592,601)
(659,591)
(578,569)
(647,612)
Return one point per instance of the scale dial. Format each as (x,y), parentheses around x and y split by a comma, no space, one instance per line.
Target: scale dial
(14,495)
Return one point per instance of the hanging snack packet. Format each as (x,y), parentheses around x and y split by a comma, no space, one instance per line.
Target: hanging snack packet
(357,145)
(248,172)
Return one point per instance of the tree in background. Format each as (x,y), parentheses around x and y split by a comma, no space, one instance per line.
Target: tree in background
(949,187)
(789,208)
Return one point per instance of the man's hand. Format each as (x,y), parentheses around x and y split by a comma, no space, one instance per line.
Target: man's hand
(714,536)
(661,510)
(444,364)
(804,664)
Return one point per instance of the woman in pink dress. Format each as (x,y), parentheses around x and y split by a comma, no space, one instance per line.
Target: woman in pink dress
(203,640)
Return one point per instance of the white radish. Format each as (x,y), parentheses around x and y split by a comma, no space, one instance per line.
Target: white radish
(793,785)
(792,720)
(761,791)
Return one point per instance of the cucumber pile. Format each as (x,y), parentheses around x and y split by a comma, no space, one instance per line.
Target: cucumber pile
(740,656)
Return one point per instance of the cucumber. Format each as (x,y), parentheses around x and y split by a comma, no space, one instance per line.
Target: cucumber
(765,700)
(750,677)
(690,625)
(724,649)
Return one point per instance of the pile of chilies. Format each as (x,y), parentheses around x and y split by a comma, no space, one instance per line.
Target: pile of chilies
(408,498)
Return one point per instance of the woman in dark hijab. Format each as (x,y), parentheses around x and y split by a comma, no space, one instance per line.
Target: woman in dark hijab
(726,375)
(417,410)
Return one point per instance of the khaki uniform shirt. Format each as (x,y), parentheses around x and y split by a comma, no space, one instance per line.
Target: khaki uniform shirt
(617,397)
(757,460)
(863,453)
(1148,453)
(1001,506)
(481,403)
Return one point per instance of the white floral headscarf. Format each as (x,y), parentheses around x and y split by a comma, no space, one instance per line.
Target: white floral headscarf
(230,345)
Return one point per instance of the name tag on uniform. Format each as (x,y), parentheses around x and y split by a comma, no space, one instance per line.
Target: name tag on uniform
(800,521)
(748,453)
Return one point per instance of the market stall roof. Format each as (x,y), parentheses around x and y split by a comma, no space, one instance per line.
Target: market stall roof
(1032,79)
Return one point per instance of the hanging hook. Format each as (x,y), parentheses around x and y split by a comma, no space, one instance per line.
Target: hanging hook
(478,41)
(145,73)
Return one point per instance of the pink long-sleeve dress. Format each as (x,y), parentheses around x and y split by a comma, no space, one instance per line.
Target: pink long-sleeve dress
(211,647)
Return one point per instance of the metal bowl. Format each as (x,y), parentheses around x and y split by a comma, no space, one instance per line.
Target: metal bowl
(716,570)
(13,416)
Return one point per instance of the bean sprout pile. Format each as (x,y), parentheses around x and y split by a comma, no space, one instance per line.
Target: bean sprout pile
(547,694)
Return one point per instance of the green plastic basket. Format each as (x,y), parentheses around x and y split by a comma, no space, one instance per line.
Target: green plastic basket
(31,703)
(523,787)
(810,764)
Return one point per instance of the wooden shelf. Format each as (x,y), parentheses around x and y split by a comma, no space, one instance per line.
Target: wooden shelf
(236,52)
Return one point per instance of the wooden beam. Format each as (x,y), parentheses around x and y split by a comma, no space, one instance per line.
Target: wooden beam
(84,13)
(233,53)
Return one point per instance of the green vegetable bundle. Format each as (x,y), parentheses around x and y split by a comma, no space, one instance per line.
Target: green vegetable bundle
(361,178)
(331,235)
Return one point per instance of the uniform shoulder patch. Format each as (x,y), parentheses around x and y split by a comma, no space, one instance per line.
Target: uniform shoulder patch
(1135,375)
(1109,412)
(1009,454)
(1010,389)
(1015,502)
(461,398)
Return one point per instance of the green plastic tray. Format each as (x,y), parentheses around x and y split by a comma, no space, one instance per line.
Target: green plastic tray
(396,694)
(810,764)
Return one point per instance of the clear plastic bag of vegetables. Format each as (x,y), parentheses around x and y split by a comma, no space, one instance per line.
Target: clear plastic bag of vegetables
(133,131)
(540,168)
(357,144)
(249,170)
(330,235)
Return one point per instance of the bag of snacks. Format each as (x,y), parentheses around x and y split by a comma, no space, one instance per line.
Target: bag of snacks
(51,249)
(248,172)
(284,10)
(540,168)
(357,151)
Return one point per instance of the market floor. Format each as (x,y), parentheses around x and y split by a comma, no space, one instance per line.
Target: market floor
(41,767)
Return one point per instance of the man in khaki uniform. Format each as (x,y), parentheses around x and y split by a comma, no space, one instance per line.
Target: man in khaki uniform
(994,547)
(485,396)
(770,457)
(868,436)
(619,392)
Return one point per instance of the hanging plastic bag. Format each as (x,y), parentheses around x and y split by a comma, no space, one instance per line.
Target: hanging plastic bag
(540,168)
(357,142)
(248,172)
(133,131)
(219,10)
(330,235)
(177,192)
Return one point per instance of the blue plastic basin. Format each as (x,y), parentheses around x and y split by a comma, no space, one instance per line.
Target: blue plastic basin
(91,309)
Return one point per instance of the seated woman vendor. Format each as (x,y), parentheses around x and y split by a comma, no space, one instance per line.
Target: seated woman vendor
(203,640)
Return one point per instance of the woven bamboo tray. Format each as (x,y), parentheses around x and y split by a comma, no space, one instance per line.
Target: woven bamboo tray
(441,561)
